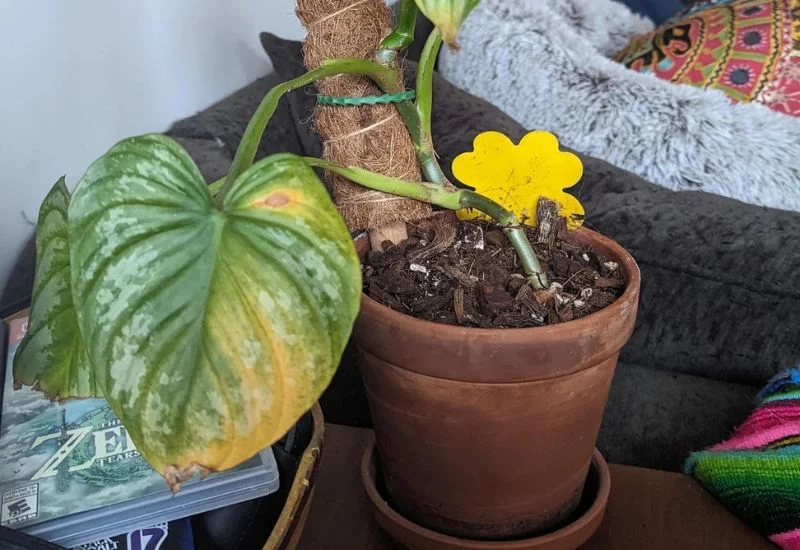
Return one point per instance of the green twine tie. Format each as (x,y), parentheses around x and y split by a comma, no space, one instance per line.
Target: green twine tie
(384,99)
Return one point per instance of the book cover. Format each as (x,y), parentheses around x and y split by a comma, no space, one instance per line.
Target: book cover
(175,535)
(76,460)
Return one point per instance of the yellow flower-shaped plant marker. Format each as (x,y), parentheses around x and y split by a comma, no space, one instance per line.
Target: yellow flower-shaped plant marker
(517,175)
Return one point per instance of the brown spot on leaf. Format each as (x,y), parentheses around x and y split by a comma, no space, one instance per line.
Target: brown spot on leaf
(274,200)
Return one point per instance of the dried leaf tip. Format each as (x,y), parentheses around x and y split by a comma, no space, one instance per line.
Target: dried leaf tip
(175,476)
(447,16)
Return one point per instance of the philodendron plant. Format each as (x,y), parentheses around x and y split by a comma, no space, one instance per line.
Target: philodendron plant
(211,317)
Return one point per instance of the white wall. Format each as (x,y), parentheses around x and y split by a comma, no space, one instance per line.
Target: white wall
(77,76)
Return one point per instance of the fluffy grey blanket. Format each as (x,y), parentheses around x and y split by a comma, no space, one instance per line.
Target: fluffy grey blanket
(546,63)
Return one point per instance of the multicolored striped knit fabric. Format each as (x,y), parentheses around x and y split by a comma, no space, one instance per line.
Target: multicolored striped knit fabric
(756,473)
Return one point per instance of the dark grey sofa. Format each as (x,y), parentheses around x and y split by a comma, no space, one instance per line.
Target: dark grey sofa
(720,300)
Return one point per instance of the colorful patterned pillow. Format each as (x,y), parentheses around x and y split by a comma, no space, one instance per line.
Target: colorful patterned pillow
(748,49)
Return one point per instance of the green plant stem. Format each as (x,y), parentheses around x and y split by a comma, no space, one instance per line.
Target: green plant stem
(401,37)
(384,77)
(421,191)
(424,107)
(427,62)
(454,199)
(214,187)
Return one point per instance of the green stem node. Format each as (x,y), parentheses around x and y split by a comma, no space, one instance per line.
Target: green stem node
(401,37)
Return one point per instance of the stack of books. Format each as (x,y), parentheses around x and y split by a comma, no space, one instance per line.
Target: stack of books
(70,474)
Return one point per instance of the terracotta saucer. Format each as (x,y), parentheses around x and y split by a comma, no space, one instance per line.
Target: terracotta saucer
(414,537)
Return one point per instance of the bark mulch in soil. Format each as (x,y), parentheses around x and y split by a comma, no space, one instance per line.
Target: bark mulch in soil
(468,274)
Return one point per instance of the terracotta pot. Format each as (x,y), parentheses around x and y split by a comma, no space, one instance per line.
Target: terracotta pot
(289,527)
(489,433)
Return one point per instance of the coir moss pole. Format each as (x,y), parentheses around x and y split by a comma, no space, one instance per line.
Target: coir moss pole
(373,137)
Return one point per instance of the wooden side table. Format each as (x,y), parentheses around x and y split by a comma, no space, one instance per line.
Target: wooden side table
(648,509)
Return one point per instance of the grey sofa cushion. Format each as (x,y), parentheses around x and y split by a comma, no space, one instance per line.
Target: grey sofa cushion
(655,418)
(720,278)
(17,290)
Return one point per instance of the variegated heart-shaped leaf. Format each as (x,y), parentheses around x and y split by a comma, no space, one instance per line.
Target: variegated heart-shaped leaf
(211,331)
(52,356)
